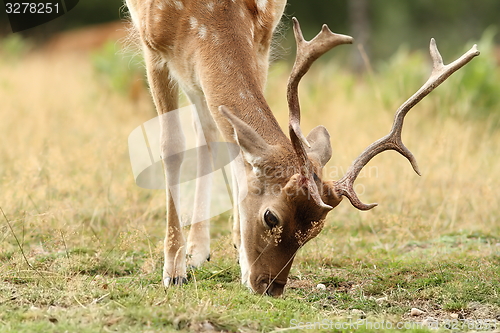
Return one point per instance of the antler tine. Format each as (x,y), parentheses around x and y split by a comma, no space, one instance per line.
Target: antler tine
(440,73)
(307,53)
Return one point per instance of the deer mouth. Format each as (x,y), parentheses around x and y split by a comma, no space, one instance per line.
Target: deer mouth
(268,285)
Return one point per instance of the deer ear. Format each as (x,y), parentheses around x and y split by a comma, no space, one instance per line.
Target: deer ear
(321,150)
(270,11)
(255,148)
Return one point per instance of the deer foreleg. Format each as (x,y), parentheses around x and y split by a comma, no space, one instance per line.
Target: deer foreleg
(172,145)
(198,244)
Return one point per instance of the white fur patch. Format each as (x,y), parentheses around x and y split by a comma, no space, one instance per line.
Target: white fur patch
(262,114)
(202,31)
(178,4)
(193,22)
(246,95)
(261,5)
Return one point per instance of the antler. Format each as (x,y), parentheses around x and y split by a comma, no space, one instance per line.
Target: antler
(307,53)
(440,73)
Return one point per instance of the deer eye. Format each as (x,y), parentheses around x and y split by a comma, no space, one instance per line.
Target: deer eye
(270,219)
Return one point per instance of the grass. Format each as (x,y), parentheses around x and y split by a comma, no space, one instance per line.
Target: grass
(81,245)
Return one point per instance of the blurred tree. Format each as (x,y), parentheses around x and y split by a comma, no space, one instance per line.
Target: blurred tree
(359,25)
(314,13)
(396,22)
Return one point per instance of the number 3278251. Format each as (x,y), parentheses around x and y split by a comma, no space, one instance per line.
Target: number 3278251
(31,8)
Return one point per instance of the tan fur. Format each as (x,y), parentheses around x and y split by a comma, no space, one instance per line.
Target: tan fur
(218,53)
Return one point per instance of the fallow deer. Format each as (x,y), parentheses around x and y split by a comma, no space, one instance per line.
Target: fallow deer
(217,51)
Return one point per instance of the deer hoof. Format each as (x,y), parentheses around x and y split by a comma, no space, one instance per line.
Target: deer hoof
(176,281)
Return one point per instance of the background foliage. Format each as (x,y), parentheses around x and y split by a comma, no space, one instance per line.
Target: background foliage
(390,22)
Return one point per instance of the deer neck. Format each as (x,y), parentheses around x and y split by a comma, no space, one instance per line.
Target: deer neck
(237,81)
(243,95)
(229,66)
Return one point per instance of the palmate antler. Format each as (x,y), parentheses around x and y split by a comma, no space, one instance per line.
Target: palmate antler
(392,141)
(307,53)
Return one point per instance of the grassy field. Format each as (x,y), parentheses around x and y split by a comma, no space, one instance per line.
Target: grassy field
(81,244)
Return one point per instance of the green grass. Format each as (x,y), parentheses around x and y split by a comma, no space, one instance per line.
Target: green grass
(81,245)
(100,290)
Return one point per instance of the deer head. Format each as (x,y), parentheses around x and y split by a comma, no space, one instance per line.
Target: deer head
(288,201)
